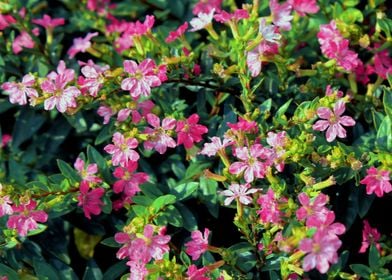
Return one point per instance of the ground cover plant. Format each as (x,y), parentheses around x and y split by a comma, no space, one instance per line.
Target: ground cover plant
(219,139)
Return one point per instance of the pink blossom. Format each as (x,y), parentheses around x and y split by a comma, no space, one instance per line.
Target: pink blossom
(362,72)
(5,139)
(189,131)
(56,83)
(87,173)
(23,40)
(369,236)
(122,150)
(90,200)
(303,7)
(198,245)
(173,35)
(81,44)
(93,78)
(269,32)
(47,22)
(129,181)
(244,126)
(5,21)
(20,91)
(328,34)
(5,205)
(249,164)
(25,217)
(329,91)
(202,20)
(210,149)
(105,112)
(377,181)
(322,251)
(156,244)
(383,64)
(206,6)
(255,58)
(158,136)
(224,16)
(269,212)
(136,109)
(126,239)
(281,14)
(314,211)
(278,142)
(238,191)
(194,273)
(98,5)
(138,270)
(142,77)
(333,121)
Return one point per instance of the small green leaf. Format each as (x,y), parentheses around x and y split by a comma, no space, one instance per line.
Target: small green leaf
(116,270)
(185,190)
(361,270)
(68,171)
(9,272)
(384,135)
(387,100)
(92,271)
(162,201)
(27,124)
(374,258)
(44,270)
(351,15)
(110,242)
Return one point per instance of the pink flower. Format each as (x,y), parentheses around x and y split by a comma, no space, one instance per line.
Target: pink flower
(5,205)
(136,109)
(98,5)
(156,244)
(5,139)
(202,20)
(329,91)
(23,40)
(369,236)
(47,22)
(244,126)
(189,132)
(198,245)
(138,270)
(224,16)
(56,83)
(238,191)
(255,58)
(27,217)
(205,6)
(303,7)
(383,64)
(269,212)
(269,32)
(90,200)
(158,136)
(93,78)
(129,181)
(105,112)
(321,249)
(87,174)
(142,77)
(281,14)
(5,21)
(122,150)
(210,149)
(249,163)
(377,181)
(313,211)
(20,91)
(173,35)
(194,273)
(333,121)
(81,44)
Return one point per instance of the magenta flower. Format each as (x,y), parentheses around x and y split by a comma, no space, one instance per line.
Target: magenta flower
(269,212)
(333,121)
(244,126)
(189,131)
(47,22)
(238,191)
(303,7)
(322,251)
(93,78)
(142,77)
(24,40)
(105,112)
(5,139)
(129,181)
(383,64)
(198,245)
(20,91)
(210,149)
(25,217)
(173,35)
(224,16)
(158,136)
(202,20)
(206,6)
(87,173)
(122,150)
(194,273)
(90,200)
(377,181)
(249,164)
(314,211)
(137,109)
(62,97)
(5,21)
(81,44)
(369,236)
(156,244)
(281,14)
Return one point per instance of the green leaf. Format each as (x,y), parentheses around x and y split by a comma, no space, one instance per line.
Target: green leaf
(189,220)
(374,258)
(92,271)
(44,270)
(68,171)
(351,15)
(185,190)
(384,135)
(9,272)
(110,242)
(115,271)
(27,124)
(387,100)
(361,270)
(162,201)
